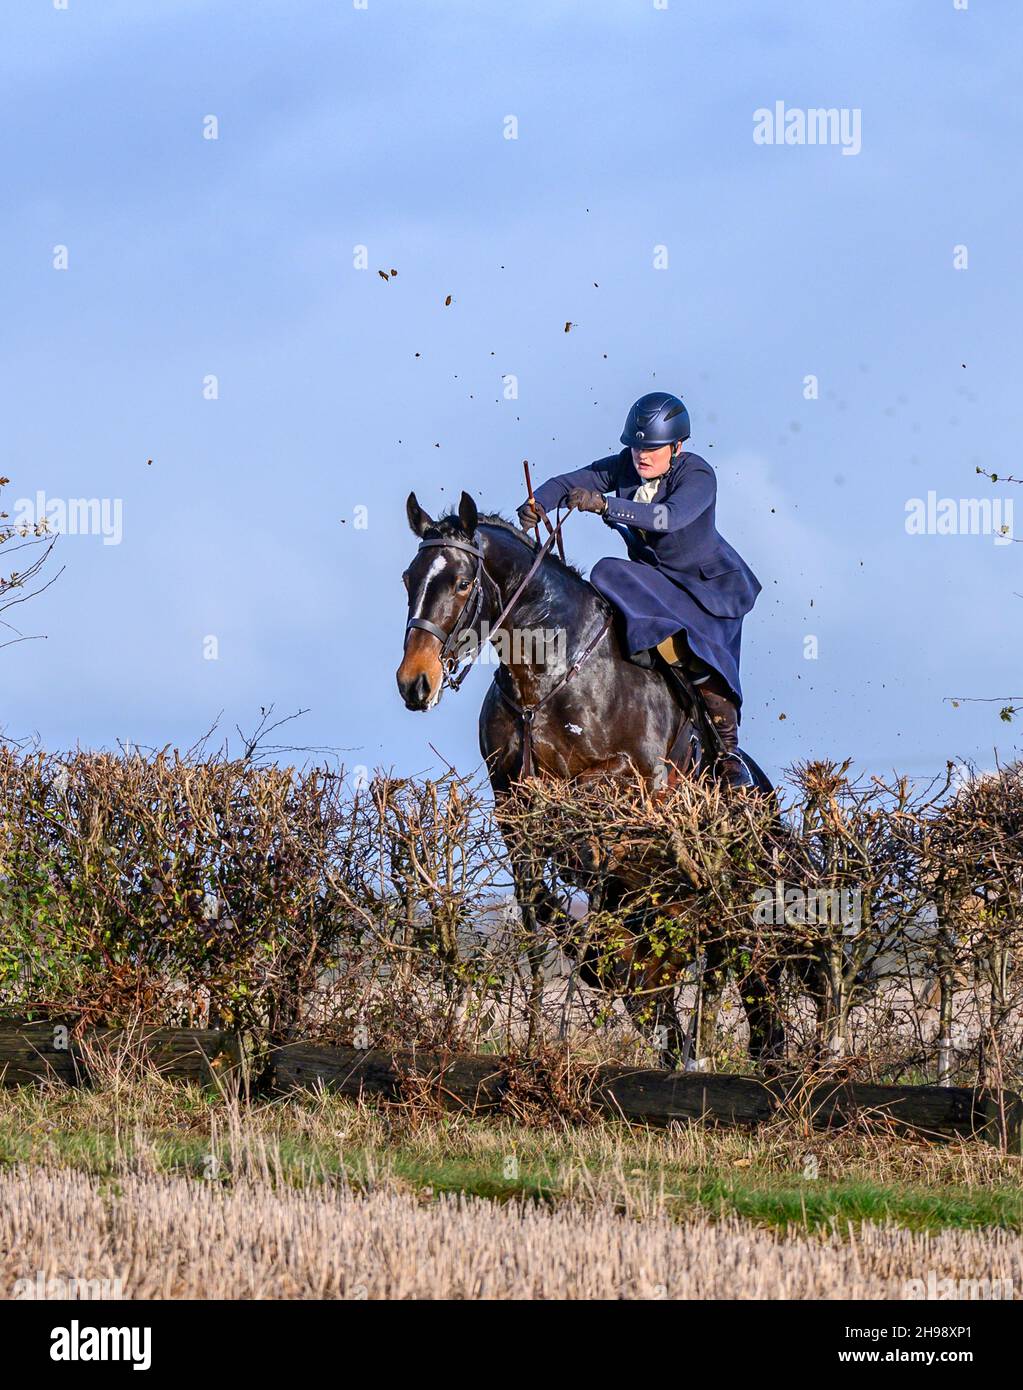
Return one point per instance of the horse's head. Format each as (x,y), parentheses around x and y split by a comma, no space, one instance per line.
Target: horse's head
(445,584)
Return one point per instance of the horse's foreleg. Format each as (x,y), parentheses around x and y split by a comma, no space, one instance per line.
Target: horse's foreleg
(538,907)
(650,1001)
(535,954)
(712,976)
(675,1041)
(656,1018)
(759,991)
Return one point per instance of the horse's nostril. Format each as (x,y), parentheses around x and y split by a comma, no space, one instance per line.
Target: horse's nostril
(415,692)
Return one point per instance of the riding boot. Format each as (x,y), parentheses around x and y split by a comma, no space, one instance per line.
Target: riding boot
(724,715)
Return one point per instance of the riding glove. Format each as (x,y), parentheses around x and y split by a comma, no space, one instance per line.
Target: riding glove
(586,501)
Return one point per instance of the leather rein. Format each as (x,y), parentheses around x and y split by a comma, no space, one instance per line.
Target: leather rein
(470,612)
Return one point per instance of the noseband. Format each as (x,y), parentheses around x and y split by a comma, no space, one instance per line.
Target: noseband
(466,619)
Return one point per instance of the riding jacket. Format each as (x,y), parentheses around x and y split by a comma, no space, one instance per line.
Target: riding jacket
(674,533)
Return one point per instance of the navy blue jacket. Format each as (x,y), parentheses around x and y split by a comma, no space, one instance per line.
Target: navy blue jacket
(675,533)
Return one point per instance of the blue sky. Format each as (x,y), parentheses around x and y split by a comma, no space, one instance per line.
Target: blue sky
(384,127)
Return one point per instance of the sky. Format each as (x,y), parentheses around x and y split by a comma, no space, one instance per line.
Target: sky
(220,368)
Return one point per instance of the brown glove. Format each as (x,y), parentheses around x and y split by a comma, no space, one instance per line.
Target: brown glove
(586,501)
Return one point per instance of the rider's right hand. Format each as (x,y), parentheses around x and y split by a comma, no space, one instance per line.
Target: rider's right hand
(529,516)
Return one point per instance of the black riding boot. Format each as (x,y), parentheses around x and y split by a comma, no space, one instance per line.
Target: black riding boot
(724,715)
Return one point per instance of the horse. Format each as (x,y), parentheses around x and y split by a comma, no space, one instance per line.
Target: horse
(570,708)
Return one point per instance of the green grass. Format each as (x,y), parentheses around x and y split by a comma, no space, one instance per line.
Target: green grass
(814,1205)
(312,1139)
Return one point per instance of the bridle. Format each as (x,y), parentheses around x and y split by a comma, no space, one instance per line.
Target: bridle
(470,610)
(467,616)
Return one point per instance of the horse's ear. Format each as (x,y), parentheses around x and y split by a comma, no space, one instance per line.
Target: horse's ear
(468,515)
(419,520)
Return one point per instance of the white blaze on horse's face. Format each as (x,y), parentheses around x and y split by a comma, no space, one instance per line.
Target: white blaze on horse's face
(420,675)
(437,585)
(437,564)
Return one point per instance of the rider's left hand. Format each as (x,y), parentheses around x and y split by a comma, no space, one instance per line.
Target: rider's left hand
(583,500)
(529,516)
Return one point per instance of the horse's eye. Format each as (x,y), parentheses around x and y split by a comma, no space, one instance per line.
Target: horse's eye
(464,585)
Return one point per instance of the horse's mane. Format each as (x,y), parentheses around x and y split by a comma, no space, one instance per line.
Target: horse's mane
(449,524)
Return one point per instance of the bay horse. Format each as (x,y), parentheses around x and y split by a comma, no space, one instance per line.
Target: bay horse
(570,708)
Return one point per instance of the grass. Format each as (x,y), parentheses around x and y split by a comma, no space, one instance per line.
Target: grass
(155,1189)
(816,1206)
(147,1235)
(312,1140)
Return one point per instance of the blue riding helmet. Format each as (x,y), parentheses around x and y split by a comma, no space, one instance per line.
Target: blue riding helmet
(655,420)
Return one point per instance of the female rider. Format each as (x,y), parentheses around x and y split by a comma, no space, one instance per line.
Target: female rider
(682,580)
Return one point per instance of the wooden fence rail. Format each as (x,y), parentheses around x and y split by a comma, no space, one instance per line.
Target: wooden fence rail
(479,1084)
(51,1052)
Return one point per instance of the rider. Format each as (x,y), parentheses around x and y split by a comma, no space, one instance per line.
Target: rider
(682,581)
